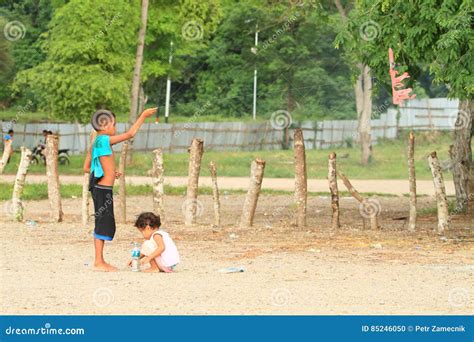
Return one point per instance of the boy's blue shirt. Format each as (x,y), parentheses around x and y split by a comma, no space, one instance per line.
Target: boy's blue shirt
(100,147)
(7,137)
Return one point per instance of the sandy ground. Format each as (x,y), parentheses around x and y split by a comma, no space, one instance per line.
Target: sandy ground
(46,269)
(385,186)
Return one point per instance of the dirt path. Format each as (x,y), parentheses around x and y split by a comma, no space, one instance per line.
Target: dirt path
(387,186)
(46,268)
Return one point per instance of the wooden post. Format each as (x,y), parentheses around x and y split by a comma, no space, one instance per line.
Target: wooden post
(54,195)
(440,190)
(17,205)
(256,176)
(85,199)
(85,184)
(158,183)
(412,181)
(7,151)
(215,194)
(196,150)
(301,184)
(122,203)
(332,178)
(369,208)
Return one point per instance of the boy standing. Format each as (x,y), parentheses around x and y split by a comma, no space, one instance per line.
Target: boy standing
(101,164)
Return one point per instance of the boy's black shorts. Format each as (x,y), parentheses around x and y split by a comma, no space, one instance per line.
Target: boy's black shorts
(103,212)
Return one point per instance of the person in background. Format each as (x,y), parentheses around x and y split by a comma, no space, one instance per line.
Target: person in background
(7,137)
(42,145)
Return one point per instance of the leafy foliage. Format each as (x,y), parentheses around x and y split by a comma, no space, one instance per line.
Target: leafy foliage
(433,35)
(89,59)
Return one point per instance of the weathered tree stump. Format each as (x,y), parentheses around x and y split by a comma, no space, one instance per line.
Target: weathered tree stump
(17,205)
(215,194)
(122,200)
(256,177)
(85,199)
(301,182)
(332,179)
(7,151)
(190,205)
(440,190)
(412,181)
(158,183)
(85,185)
(461,156)
(369,208)
(54,195)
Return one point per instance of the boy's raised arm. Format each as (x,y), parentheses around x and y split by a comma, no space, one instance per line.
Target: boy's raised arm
(115,139)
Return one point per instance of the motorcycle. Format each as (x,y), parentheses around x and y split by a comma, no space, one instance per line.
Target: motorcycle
(37,155)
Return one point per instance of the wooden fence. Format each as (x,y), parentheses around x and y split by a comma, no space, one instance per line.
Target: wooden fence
(424,114)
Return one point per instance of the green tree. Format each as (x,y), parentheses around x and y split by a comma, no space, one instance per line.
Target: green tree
(89,51)
(298,69)
(189,24)
(436,35)
(6,65)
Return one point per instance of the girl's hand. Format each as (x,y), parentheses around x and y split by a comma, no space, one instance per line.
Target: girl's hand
(145,260)
(149,112)
(117,175)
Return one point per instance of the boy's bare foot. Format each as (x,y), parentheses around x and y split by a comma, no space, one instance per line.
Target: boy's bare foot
(104,267)
(152,269)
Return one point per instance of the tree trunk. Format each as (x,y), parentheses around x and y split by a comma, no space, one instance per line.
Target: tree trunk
(142,100)
(138,63)
(440,190)
(196,150)
(301,183)
(412,181)
(250,204)
(332,178)
(7,151)
(85,184)
(368,208)
(471,193)
(359,96)
(122,203)
(85,199)
(17,204)
(54,195)
(158,183)
(462,155)
(363,97)
(215,195)
(364,120)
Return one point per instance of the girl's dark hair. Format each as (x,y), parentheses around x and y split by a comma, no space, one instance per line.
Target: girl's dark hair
(147,219)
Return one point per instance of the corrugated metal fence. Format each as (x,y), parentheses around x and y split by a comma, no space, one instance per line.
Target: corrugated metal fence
(424,114)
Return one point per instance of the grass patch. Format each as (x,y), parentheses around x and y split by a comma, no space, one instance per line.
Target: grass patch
(389,161)
(39,191)
(434,210)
